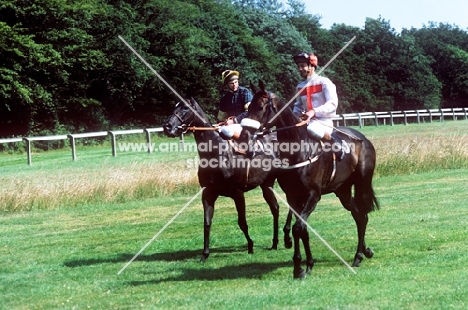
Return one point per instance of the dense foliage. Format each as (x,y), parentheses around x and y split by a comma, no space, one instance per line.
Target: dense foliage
(63,68)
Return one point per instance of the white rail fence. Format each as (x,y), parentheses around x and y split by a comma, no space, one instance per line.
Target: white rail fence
(377,118)
(72,138)
(380,118)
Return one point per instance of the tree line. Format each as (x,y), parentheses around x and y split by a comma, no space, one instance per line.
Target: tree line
(63,68)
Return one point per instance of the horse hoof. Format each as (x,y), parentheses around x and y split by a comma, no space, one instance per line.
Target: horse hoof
(369,253)
(299,274)
(310,264)
(288,243)
(250,246)
(274,245)
(251,250)
(204,258)
(357,260)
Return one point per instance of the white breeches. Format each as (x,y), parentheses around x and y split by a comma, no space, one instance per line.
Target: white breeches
(318,127)
(233,130)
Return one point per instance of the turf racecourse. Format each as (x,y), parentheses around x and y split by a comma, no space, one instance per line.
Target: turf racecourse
(69,257)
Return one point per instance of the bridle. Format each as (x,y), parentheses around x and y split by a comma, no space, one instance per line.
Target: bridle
(184,126)
(183,123)
(188,127)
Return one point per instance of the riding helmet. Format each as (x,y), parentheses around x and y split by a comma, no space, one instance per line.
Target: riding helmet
(228,75)
(310,59)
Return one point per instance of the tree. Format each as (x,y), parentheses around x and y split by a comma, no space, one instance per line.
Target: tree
(447,46)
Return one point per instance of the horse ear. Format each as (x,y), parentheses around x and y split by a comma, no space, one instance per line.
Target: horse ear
(261,85)
(252,87)
(192,102)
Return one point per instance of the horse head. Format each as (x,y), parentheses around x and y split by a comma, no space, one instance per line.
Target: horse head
(186,113)
(266,110)
(263,106)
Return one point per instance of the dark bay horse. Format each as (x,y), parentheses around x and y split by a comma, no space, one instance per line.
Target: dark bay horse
(314,171)
(223,171)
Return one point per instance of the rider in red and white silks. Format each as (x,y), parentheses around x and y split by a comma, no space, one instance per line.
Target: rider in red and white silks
(318,101)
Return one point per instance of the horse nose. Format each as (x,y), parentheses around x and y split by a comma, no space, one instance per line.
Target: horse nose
(167,129)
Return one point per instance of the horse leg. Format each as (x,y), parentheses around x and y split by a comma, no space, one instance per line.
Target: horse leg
(300,232)
(298,272)
(208,200)
(360,218)
(309,208)
(361,251)
(270,198)
(287,230)
(306,244)
(239,200)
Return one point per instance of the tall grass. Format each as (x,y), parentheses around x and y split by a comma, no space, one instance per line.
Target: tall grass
(68,187)
(421,154)
(419,148)
(54,181)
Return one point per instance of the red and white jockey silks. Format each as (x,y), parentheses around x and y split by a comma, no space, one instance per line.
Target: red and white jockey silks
(319,95)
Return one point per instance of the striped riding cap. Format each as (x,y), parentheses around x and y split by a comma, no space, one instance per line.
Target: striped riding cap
(229,75)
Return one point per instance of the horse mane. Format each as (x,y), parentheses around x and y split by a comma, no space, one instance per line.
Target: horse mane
(203,121)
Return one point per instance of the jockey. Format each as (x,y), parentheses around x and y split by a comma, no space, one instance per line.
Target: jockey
(317,103)
(233,104)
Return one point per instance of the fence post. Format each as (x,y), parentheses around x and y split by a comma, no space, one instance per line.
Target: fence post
(360,120)
(376,120)
(344,119)
(464,110)
(181,142)
(114,148)
(391,119)
(430,115)
(417,116)
(148,140)
(406,119)
(28,150)
(453,113)
(72,144)
(441,115)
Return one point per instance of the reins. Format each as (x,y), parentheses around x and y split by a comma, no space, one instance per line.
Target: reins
(194,128)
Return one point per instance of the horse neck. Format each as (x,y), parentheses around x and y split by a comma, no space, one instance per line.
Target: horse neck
(210,138)
(287,119)
(297,136)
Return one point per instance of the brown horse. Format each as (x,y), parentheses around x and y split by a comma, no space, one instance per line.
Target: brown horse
(314,171)
(224,172)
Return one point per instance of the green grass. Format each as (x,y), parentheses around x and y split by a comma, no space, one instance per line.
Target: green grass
(69,258)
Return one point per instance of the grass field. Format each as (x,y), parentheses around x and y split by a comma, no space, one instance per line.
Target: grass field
(62,247)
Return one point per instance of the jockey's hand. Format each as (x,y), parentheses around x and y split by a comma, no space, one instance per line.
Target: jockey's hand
(307,115)
(310,114)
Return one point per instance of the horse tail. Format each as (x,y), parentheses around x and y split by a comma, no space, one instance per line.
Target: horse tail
(366,201)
